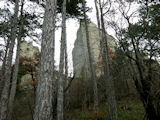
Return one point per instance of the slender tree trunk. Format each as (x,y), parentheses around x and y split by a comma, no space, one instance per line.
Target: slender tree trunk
(66,96)
(15,73)
(111,100)
(66,64)
(61,66)
(44,93)
(97,14)
(93,74)
(3,66)
(5,92)
(4,61)
(99,27)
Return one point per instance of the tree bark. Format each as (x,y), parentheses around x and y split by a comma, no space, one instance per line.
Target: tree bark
(3,66)
(97,15)
(4,61)
(99,26)
(60,93)
(93,74)
(44,93)
(110,92)
(15,73)
(66,94)
(5,92)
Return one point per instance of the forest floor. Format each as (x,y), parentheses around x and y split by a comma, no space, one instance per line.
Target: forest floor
(128,109)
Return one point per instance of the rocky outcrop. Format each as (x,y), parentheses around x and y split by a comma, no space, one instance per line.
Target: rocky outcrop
(80,51)
(28,66)
(28,51)
(26,81)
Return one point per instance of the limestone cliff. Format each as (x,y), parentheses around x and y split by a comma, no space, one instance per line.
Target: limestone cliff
(80,51)
(27,50)
(28,67)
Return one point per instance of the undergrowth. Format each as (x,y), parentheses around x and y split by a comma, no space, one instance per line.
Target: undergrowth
(127,110)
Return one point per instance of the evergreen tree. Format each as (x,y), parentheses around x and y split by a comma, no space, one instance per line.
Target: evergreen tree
(44,92)
(7,72)
(16,67)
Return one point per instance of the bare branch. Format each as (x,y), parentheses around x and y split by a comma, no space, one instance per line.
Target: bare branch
(69,84)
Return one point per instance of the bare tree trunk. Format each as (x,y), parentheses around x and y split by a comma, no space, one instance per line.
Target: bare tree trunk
(97,14)
(4,61)
(111,100)
(66,64)
(99,26)
(15,73)
(5,92)
(3,66)
(44,93)
(60,93)
(93,74)
(66,94)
